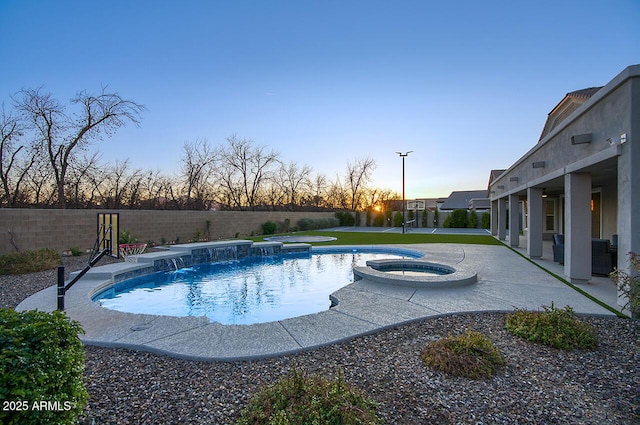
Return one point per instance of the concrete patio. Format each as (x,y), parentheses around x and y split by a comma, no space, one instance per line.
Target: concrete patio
(506,281)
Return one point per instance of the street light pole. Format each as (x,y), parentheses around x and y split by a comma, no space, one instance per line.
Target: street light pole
(404,216)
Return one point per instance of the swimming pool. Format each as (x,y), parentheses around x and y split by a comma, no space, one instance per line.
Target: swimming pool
(246,291)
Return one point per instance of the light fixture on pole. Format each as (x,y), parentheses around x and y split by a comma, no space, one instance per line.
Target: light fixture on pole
(404,217)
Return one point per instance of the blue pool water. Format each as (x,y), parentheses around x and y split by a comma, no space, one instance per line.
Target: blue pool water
(251,290)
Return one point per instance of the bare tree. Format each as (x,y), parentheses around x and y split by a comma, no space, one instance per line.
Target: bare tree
(14,161)
(40,183)
(357,177)
(83,179)
(318,189)
(293,179)
(153,187)
(244,170)
(118,185)
(336,195)
(62,135)
(198,160)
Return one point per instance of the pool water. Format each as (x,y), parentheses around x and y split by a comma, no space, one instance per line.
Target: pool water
(251,290)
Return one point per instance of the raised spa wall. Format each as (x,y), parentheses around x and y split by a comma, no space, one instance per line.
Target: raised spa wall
(187,255)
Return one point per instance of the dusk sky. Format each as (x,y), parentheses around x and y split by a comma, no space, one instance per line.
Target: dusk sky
(466,85)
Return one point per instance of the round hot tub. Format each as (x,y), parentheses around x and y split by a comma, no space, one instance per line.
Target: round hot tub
(415,273)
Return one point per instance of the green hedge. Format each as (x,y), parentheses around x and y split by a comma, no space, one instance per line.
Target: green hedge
(345,218)
(458,219)
(486,220)
(317,223)
(398,219)
(41,367)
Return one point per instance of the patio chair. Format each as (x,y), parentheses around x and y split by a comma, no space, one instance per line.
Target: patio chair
(558,248)
(601,257)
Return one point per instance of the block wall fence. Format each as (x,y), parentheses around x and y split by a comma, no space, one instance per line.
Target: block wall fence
(61,229)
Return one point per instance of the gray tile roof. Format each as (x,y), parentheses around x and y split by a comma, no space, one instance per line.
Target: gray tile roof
(461,199)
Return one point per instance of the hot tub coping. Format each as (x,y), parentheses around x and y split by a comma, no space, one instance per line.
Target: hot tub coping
(459,275)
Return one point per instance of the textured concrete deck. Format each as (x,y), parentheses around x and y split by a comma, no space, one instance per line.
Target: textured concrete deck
(505,281)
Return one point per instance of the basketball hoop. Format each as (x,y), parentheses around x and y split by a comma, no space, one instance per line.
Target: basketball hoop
(128,249)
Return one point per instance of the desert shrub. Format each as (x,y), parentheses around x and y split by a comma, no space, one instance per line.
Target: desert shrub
(629,284)
(29,261)
(269,228)
(554,327)
(41,361)
(284,226)
(471,355)
(485,220)
(301,399)
(317,223)
(345,218)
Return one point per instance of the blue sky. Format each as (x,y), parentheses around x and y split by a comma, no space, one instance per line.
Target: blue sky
(464,84)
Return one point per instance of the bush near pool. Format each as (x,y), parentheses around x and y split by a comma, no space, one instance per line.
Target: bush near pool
(41,367)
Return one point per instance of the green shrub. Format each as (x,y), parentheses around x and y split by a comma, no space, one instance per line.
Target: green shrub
(398,219)
(473,220)
(41,362)
(486,220)
(554,327)
(269,228)
(75,251)
(127,237)
(345,218)
(29,261)
(378,220)
(300,399)
(317,223)
(471,355)
(459,219)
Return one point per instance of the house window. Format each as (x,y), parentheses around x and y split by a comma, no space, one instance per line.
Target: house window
(550,215)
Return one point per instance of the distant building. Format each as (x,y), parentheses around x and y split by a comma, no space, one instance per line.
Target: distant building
(466,199)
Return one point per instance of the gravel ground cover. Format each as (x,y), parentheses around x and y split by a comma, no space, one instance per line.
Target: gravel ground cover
(539,385)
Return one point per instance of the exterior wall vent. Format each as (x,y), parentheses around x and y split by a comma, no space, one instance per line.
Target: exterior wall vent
(579,139)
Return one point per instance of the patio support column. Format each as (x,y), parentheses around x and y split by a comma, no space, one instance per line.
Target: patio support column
(502,219)
(577,261)
(629,200)
(514,220)
(534,234)
(494,218)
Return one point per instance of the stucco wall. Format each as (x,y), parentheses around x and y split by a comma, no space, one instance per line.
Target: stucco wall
(64,229)
(607,118)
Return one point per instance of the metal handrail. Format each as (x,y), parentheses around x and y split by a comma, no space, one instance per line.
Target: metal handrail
(93,259)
